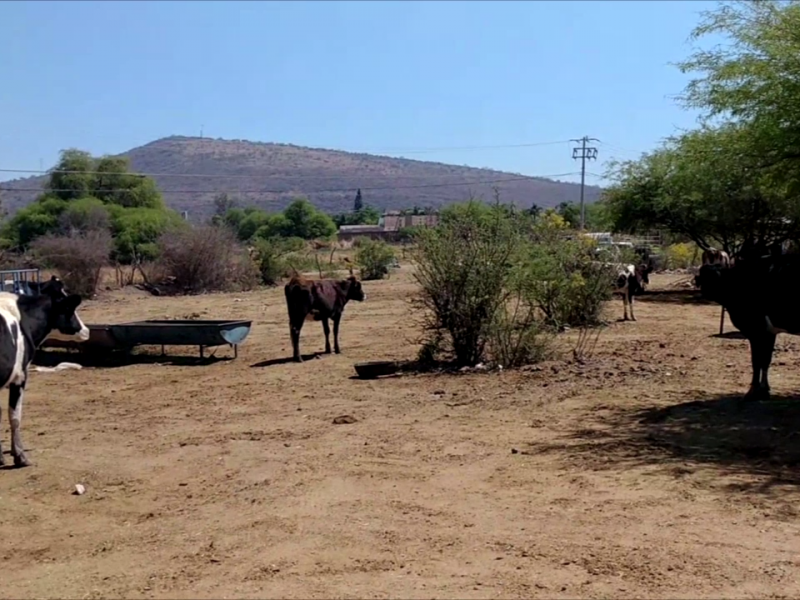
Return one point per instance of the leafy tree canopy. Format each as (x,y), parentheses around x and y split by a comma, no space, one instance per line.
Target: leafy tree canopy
(734,182)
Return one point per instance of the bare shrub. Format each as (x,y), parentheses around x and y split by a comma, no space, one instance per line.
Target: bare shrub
(77,258)
(204,259)
(90,218)
(496,285)
(568,284)
(474,299)
(586,343)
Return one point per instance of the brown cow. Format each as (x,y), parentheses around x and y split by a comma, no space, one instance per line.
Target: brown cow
(319,301)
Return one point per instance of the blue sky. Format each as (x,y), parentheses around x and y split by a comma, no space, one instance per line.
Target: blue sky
(400,78)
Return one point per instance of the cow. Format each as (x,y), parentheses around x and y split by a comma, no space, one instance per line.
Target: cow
(26,322)
(760,297)
(319,301)
(712,256)
(631,281)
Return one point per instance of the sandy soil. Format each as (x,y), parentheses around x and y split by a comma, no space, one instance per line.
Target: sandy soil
(638,474)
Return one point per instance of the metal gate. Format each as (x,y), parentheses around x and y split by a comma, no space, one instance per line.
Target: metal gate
(17,281)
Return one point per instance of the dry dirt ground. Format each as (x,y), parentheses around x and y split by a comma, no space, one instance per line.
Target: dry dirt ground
(638,474)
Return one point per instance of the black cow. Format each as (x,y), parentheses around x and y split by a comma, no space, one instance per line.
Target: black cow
(760,297)
(26,322)
(319,301)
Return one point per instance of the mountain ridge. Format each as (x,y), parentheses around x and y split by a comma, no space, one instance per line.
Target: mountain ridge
(191,171)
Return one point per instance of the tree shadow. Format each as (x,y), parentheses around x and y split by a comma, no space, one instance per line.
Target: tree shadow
(735,437)
(110,360)
(687,296)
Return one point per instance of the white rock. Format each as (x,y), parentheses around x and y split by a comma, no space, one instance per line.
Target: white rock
(79,489)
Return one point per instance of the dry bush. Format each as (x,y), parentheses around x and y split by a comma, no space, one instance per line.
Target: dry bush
(152,271)
(77,258)
(586,343)
(205,259)
(474,291)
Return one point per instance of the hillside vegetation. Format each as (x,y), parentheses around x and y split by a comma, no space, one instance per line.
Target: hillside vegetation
(270,176)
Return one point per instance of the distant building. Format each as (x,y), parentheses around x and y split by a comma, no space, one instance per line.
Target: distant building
(388,227)
(350,232)
(394,221)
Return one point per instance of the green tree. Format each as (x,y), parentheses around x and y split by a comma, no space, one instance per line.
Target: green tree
(707,186)
(137,230)
(753,80)
(571,213)
(367,215)
(306,222)
(72,177)
(359,203)
(275,226)
(251,223)
(84,215)
(83,194)
(598,217)
(534,211)
(223,203)
(113,184)
(233,218)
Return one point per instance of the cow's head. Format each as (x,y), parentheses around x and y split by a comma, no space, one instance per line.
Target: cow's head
(64,319)
(710,280)
(354,291)
(644,271)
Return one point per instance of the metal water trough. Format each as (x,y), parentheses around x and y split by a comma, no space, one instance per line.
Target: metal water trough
(190,332)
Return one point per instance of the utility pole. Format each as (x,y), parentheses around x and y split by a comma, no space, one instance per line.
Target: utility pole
(584,152)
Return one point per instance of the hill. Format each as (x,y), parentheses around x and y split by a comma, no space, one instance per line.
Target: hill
(190,171)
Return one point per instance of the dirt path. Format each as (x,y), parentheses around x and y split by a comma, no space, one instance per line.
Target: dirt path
(639,474)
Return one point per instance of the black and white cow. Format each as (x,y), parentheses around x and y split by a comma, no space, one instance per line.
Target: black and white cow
(631,281)
(25,321)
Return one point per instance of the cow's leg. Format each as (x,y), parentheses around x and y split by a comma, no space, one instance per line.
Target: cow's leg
(625,305)
(294,331)
(326,328)
(761,347)
(766,360)
(15,416)
(755,363)
(336,319)
(633,317)
(2,460)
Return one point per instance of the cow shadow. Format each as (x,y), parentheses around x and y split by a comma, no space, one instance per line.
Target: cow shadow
(687,296)
(734,437)
(110,360)
(729,335)
(284,360)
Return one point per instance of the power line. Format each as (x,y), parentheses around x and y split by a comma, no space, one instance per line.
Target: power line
(324,191)
(583,153)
